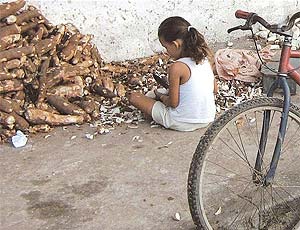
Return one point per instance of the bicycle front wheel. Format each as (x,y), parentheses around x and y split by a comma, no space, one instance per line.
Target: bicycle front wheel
(221,190)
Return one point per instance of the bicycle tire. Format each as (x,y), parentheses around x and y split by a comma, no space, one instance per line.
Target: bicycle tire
(204,204)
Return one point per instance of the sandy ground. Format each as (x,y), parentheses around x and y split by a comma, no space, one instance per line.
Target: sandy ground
(127,179)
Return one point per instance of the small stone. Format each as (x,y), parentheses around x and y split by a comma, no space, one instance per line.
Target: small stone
(103,131)
(89,136)
(132,126)
(272,38)
(258,46)
(177,216)
(47,136)
(275,47)
(219,211)
(160,61)
(229,44)
(19,140)
(136,138)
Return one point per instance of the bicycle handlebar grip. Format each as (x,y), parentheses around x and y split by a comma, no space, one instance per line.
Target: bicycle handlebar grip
(241,14)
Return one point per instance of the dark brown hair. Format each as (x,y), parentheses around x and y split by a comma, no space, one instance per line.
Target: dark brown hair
(194,45)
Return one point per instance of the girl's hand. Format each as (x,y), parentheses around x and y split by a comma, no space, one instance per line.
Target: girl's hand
(157,95)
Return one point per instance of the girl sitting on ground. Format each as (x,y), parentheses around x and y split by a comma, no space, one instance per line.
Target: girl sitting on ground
(189,103)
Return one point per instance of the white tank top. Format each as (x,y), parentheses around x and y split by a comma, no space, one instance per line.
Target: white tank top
(196,97)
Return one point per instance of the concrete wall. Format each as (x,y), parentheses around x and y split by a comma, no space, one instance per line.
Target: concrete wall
(126,29)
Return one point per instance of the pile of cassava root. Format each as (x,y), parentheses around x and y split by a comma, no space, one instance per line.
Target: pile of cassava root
(54,75)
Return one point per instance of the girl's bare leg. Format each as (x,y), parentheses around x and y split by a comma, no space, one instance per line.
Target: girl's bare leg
(142,102)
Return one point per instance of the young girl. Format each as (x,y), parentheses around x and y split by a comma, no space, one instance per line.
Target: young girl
(190,103)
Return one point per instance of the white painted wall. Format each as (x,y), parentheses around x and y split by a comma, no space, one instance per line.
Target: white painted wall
(126,29)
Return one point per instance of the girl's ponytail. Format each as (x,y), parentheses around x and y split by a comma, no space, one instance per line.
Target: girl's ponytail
(196,47)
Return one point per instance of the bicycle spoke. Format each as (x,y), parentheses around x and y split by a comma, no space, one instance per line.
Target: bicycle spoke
(281,188)
(278,204)
(236,153)
(286,203)
(260,210)
(257,146)
(236,144)
(256,128)
(227,178)
(272,206)
(226,169)
(284,170)
(263,203)
(292,140)
(251,217)
(249,166)
(241,141)
(273,116)
(246,200)
(239,195)
(287,186)
(287,146)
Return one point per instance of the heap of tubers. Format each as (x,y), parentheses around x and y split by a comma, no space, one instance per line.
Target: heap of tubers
(54,75)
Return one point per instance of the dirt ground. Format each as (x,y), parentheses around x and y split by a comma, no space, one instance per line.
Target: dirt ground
(126,179)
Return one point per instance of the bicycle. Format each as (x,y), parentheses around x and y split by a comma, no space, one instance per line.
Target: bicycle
(245,172)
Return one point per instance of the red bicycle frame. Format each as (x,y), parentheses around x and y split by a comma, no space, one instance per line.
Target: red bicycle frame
(286,67)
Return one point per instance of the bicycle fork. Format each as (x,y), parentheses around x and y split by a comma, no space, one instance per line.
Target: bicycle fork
(268,178)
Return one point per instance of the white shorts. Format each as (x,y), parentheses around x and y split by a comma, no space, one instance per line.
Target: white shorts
(161,115)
